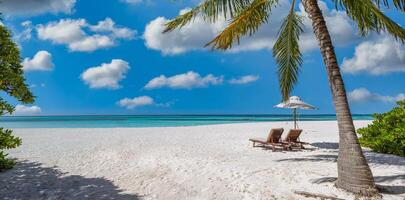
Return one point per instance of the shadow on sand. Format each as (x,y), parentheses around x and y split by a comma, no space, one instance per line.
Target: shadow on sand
(30,180)
(326,145)
(372,157)
(375,158)
(385,189)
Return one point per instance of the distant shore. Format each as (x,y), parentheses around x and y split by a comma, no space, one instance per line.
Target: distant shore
(194,162)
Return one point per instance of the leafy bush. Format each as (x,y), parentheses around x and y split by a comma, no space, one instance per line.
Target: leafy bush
(12,83)
(7,141)
(387,132)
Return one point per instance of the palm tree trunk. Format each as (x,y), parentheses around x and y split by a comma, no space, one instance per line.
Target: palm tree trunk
(354,174)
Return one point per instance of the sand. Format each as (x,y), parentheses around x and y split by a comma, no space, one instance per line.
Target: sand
(201,162)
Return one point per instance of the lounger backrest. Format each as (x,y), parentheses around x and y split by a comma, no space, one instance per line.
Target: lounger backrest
(275,135)
(293,135)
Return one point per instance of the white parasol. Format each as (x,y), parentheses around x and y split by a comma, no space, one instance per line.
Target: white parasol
(295,103)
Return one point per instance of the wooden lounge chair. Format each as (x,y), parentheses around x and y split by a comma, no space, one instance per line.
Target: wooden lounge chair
(293,139)
(273,140)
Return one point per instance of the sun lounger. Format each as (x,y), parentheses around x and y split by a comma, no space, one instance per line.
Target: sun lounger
(273,140)
(293,139)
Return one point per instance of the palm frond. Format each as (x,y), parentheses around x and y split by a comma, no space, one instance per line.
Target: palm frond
(211,10)
(246,22)
(182,20)
(287,53)
(369,17)
(399,4)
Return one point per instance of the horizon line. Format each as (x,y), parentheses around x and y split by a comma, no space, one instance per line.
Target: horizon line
(78,115)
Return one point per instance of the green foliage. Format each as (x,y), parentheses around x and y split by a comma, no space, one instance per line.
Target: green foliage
(12,83)
(399,4)
(387,132)
(245,22)
(287,53)
(12,79)
(370,18)
(211,10)
(7,141)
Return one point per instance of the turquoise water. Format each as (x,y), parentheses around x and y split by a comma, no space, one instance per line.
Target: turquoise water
(109,121)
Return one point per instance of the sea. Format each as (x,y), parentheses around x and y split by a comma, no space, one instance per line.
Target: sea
(116,121)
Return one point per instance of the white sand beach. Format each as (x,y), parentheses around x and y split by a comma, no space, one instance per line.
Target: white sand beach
(201,162)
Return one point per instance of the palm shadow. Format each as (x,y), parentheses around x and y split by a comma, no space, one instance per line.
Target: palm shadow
(385,189)
(312,158)
(30,180)
(372,157)
(390,189)
(326,145)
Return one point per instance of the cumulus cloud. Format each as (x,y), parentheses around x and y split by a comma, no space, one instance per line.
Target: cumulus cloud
(108,25)
(42,61)
(36,7)
(187,80)
(107,75)
(244,79)
(191,37)
(91,43)
(78,35)
(364,95)
(63,31)
(136,102)
(196,34)
(381,56)
(26,110)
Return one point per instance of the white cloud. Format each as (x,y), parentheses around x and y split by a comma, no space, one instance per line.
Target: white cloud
(64,31)
(107,75)
(244,79)
(382,56)
(26,33)
(78,35)
(91,43)
(196,34)
(26,110)
(36,7)
(108,25)
(187,80)
(136,102)
(191,37)
(364,95)
(42,61)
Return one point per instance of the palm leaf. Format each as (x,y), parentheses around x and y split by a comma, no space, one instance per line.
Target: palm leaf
(246,22)
(211,10)
(370,18)
(399,4)
(287,53)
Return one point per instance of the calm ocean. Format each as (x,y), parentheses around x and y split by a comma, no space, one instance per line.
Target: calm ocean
(109,121)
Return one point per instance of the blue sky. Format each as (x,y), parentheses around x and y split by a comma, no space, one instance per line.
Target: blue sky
(109,57)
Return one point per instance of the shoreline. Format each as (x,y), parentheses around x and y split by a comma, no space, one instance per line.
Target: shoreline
(289,123)
(191,162)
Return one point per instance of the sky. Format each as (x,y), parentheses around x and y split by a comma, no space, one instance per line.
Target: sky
(111,57)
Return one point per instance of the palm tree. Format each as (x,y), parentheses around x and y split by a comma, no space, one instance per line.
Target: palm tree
(246,16)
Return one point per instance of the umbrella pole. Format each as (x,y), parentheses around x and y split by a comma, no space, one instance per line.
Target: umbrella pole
(295,118)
